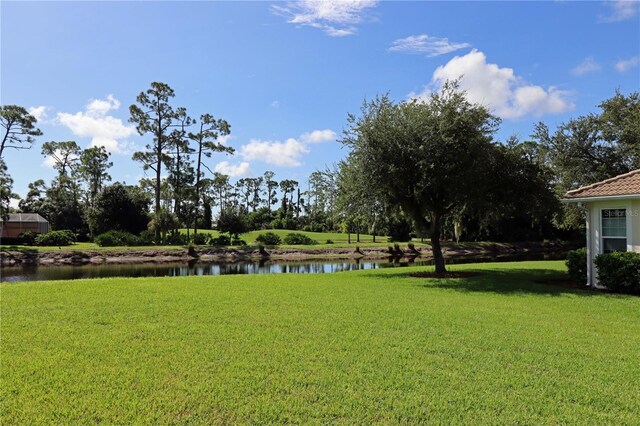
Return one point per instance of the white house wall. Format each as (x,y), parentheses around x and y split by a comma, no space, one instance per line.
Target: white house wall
(594,230)
(635,220)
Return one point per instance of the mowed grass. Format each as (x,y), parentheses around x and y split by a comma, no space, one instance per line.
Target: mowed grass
(347,348)
(338,240)
(85,246)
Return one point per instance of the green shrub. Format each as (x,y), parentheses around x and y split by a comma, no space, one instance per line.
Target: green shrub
(260,219)
(619,271)
(295,238)
(283,223)
(147,238)
(269,239)
(238,242)
(199,239)
(577,265)
(27,238)
(175,238)
(56,238)
(315,227)
(329,242)
(115,238)
(400,230)
(232,221)
(222,240)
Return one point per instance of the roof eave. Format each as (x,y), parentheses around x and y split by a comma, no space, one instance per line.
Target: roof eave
(600,198)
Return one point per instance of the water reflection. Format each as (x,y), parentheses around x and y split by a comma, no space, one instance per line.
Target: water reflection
(33,272)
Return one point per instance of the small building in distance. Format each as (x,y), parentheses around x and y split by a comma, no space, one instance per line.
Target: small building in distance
(23,222)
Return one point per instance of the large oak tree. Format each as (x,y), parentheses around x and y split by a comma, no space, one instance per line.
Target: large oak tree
(433,158)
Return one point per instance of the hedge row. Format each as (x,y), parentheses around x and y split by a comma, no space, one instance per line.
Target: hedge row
(52,238)
(292,238)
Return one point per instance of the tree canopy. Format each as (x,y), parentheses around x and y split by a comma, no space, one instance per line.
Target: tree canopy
(432,158)
(592,147)
(153,114)
(118,207)
(18,128)
(415,168)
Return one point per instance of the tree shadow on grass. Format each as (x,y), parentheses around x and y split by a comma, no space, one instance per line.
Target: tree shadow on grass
(506,282)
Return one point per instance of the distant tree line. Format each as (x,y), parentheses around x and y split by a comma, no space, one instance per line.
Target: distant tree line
(428,169)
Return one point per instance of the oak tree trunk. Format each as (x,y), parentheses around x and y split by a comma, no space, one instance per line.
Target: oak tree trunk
(438,258)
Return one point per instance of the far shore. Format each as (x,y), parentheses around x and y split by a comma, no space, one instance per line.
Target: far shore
(15,256)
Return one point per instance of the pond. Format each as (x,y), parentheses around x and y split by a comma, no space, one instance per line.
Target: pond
(44,273)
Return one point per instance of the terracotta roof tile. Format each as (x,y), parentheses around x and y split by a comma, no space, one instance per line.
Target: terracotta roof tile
(626,184)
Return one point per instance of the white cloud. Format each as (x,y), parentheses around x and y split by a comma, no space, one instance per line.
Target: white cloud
(39,112)
(318,136)
(225,139)
(626,64)
(588,65)
(506,94)
(620,10)
(425,44)
(232,170)
(285,153)
(104,130)
(49,162)
(275,104)
(99,107)
(337,18)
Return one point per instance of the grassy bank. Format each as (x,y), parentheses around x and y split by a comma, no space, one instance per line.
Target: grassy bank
(357,347)
(85,246)
(320,237)
(339,240)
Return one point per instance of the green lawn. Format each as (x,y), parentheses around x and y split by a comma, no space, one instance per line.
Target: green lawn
(347,348)
(339,240)
(86,246)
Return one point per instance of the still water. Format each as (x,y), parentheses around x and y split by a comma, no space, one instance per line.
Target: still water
(44,273)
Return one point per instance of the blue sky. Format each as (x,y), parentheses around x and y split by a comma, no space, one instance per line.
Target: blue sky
(286,74)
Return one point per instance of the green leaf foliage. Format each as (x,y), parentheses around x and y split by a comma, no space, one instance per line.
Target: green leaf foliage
(120,208)
(18,128)
(116,238)
(619,271)
(269,239)
(296,238)
(577,265)
(56,238)
(435,158)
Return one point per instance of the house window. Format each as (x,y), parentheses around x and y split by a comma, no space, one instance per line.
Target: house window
(614,230)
